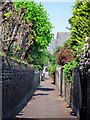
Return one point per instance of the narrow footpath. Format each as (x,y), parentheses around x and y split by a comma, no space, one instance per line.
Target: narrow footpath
(46,103)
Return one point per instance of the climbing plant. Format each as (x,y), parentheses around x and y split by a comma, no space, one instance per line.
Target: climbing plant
(79,31)
(80,22)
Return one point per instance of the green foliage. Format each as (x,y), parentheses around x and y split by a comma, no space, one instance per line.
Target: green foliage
(82,0)
(41,25)
(53,59)
(24,61)
(39,58)
(79,31)
(40,32)
(4,35)
(52,69)
(64,55)
(80,23)
(8,13)
(15,45)
(57,49)
(18,49)
(68,69)
(33,30)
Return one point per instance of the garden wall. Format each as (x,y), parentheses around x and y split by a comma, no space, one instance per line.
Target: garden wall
(77,94)
(19,81)
(76,91)
(88,95)
(62,84)
(70,92)
(0,88)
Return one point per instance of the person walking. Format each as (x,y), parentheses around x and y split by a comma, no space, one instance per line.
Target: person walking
(44,73)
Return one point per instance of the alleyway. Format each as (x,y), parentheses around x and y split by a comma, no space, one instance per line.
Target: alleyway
(46,103)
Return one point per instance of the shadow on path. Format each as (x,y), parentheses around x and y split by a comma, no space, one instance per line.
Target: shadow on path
(46,104)
(53,83)
(40,94)
(41,119)
(46,89)
(43,79)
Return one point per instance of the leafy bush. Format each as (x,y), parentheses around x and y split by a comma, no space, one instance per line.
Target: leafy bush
(68,69)
(52,69)
(65,55)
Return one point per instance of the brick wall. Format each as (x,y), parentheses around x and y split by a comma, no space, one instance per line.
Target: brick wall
(19,81)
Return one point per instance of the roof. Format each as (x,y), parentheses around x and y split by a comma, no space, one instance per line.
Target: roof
(60,39)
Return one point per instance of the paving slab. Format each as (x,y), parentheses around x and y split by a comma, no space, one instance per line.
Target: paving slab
(46,103)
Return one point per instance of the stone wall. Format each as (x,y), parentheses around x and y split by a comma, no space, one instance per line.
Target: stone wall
(19,81)
(69,91)
(62,84)
(77,94)
(76,91)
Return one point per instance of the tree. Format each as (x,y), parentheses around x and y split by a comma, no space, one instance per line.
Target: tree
(41,28)
(80,22)
(16,30)
(38,58)
(26,29)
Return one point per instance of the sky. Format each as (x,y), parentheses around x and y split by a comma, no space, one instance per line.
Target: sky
(59,13)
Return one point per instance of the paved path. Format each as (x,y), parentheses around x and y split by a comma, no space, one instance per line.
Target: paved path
(46,103)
